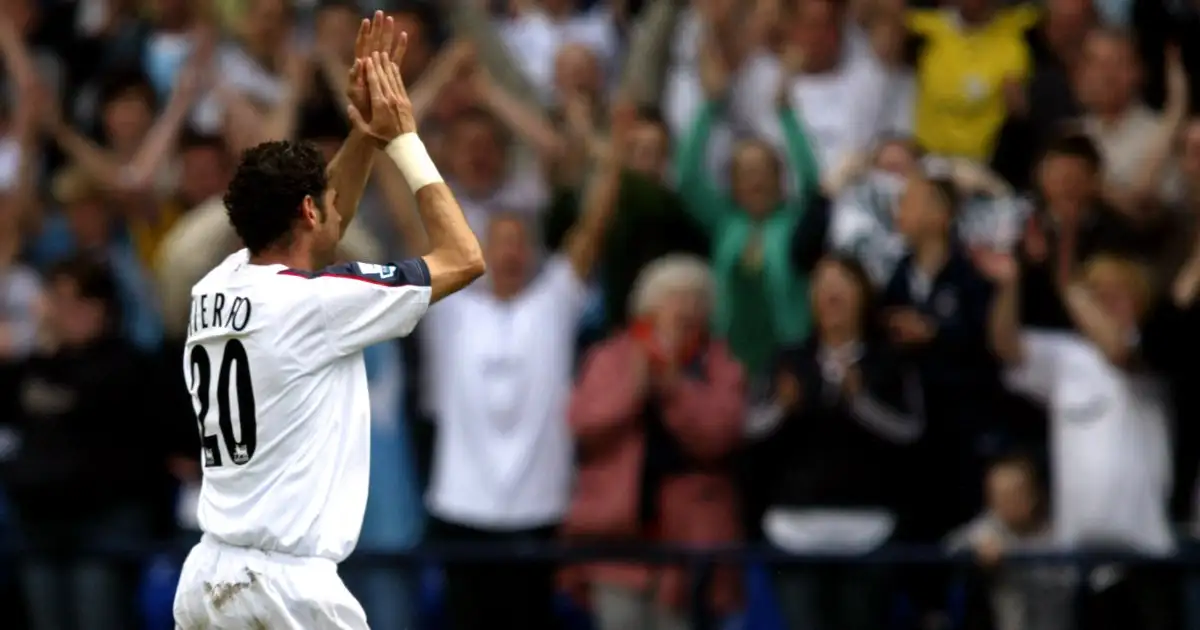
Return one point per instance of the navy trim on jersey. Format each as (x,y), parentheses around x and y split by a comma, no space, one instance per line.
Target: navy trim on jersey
(410,272)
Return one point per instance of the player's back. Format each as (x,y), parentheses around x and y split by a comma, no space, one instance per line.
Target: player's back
(274,366)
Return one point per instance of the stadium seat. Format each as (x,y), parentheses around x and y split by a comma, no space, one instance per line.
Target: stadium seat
(156,596)
(762,610)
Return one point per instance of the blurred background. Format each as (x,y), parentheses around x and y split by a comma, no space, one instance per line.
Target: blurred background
(900,297)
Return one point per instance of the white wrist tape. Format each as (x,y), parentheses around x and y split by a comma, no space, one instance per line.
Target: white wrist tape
(409,154)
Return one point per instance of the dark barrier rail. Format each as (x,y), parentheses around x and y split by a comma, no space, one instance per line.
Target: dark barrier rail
(894,555)
(699,561)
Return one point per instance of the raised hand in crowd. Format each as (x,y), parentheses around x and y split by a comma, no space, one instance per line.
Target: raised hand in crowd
(788,391)
(1178,99)
(526,122)
(456,58)
(1034,245)
(1003,324)
(998,266)
(908,326)
(715,73)
(1144,194)
(792,61)
(585,241)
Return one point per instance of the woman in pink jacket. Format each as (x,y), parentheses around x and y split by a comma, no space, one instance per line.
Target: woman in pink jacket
(657,414)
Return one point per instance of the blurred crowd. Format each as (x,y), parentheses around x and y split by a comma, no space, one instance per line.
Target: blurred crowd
(823,275)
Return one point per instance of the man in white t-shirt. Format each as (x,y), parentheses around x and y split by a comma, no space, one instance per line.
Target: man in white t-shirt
(1110,440)
(275,368)
(503,463)
(1110,449)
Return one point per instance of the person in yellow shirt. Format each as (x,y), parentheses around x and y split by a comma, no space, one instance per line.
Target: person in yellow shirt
(972,62)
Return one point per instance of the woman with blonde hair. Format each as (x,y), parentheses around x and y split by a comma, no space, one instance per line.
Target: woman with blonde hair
(1110,451)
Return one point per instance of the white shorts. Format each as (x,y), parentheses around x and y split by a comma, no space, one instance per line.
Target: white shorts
(223,587)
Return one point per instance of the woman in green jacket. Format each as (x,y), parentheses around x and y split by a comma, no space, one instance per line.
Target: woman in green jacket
(762,295)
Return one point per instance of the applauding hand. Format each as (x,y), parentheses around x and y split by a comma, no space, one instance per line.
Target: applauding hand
(377,35)
(391,109)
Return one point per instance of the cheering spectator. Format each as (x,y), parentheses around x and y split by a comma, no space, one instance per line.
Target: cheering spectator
(972,64)
(1136,144)
(542,30)
(650,219)
(501,469)
(865,189)
(86,224)
(936,307)
(1170,339)
(1056,46)
(91,452)
(761,299)
(1017,598)
(1109,434)
(20,286)
(887,38)
(839,89)
(850,414)
(657,414)
(1072,223)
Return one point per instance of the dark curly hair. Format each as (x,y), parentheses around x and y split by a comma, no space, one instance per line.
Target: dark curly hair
(267,191)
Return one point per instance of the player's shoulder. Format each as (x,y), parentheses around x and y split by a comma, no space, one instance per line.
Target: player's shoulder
(411,272)
(220,273)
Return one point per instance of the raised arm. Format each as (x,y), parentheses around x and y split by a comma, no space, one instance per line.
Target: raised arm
(801,157)
(528,122)
(645,67)
(1004,328)
(455,258)
(470,20)
(1187,282)
(1145,190)
(586,238)
(441,72)
(702,200)
(26,131)
(350,168)
(138,172)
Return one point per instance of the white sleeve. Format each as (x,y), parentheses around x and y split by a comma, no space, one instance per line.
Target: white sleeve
(364,303)
(1036,374)
(559,283)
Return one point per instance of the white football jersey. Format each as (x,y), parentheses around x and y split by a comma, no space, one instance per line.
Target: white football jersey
(275,368)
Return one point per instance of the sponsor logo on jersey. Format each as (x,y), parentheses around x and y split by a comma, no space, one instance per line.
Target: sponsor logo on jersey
(382,271)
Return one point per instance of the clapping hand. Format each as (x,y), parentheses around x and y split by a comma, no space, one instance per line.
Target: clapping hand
(391,110)
(787,391)
(907,326)
(376,35)
(999,267)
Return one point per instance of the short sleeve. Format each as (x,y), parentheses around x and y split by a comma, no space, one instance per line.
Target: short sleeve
(366,303)
(1035,376)
(560,284)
